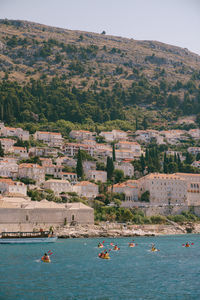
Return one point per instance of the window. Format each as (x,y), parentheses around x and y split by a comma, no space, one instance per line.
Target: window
(26,217)
(73,218)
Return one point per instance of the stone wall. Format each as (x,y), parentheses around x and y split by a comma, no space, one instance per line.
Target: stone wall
(18,218)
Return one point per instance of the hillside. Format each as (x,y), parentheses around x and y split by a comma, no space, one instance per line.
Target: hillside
(136,74)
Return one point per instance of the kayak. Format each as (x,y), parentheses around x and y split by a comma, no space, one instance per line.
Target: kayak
(101,246)
(46,260)
(131,245)
(187,246)
(154,250)
(115,249)
(108,257)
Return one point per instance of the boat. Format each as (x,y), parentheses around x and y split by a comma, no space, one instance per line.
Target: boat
(106,256)
(154,250)
(100,246)
(27,237)
(131,245)
(46,260)
(116,248)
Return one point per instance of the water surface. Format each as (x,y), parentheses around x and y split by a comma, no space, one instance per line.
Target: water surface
(76,272)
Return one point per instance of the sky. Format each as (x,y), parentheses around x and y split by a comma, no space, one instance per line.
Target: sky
(175,22)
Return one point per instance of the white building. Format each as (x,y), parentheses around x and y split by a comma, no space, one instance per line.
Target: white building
(58,186)
(52,139)
(20,152)
(72,177)
(164,188)
(71,149)
(15,132)
(96,175)
(32,171)
(114,135)
(82,135)
(8,168)
(86,189)
(7,144)
(8,186)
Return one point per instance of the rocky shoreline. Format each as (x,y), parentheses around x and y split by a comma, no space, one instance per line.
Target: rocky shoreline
(121,230)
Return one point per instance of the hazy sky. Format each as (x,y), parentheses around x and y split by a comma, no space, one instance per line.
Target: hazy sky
(175,22)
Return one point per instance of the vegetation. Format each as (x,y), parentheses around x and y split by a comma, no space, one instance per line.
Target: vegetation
(79,166)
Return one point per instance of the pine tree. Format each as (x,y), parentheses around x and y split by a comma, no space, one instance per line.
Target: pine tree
(136,123)
(79,166)
(165,164)
(1,151)
(109,168)
(142,162)
(113,152)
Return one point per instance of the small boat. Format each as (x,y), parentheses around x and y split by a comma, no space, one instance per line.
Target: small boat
(46,260)
(154,250)
(100,246)
(104,256)
(27,237)
(131,245)
(116,248)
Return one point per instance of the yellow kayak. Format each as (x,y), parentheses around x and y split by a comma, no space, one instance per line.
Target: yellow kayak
(108,257)
(154,250)
(101,246)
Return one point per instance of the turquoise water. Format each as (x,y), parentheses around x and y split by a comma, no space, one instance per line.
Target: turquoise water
(76,272)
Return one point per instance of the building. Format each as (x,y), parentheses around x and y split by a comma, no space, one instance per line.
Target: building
(164,188)
(194,150)
(133,147)
(86,189)
(52,139)
(192,184)
(72,177)
(19,214)
(8,187)
(8,168)
(14,132)
(32,171)
(81,135)
(196,164)
(58,186)
(20,152)
(71,149)
(96,175)
(7,144)
(126,167)
(128,188)
(114,135)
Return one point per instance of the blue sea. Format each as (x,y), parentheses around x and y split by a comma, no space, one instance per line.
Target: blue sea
(76,271)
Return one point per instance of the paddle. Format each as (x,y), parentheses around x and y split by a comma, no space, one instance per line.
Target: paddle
(50,253)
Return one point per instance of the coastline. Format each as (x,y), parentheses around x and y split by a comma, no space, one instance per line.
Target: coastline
(121,230)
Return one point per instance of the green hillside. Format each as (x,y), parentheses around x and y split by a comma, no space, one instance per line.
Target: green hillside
(49,74)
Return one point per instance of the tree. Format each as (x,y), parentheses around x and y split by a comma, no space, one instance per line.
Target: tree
(145,196)
(189,158)
(109,168)
(1,151)
(119,175)
(79,166)
(113,152)
(144,123)
(142,162)
(103,32)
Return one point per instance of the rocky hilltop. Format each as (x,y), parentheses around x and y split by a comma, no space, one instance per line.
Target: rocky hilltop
(33,50)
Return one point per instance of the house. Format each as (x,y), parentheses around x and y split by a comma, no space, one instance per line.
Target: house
(192,184)
(8,187)
(123,154)
(86,189)
(131,146)
(43,151)
(66,161)
(128,188)
(32,171)
(194,133)
(194,150)
(58,186)
(196,164)
(15,132)
(8,168)
(20,151)
(7,144)
(52,139)
(126,167)
(72,177)
(97,175)
(114,135)
(54,170)
(71,149)
(80,135)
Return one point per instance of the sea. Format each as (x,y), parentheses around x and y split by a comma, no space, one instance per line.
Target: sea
(76,271)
